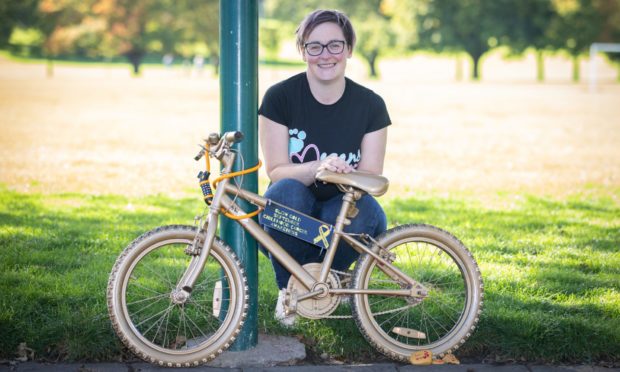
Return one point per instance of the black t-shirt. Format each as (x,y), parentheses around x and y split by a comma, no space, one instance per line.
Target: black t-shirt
(317,130)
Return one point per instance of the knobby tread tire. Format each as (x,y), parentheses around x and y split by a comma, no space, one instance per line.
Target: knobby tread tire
(146,353)
(400,233)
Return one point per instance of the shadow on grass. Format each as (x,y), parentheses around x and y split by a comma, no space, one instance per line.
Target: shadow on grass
(57,253)
(551,271)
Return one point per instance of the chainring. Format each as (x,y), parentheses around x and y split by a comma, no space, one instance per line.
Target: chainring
(315,307)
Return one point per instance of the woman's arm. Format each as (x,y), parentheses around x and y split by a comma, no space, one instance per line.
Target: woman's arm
(274,140)
(373,151)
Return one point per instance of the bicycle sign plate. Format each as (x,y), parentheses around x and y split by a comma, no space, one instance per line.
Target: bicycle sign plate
(297,224)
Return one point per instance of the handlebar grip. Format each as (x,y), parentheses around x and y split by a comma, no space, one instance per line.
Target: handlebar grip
(233,137)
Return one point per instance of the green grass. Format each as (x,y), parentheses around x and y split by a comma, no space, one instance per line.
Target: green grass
(551,269)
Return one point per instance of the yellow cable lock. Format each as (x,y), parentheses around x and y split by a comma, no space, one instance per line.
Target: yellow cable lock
(235,174)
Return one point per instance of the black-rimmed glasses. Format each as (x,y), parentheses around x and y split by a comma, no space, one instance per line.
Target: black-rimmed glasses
(315,48)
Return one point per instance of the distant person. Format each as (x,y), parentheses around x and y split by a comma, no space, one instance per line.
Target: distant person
(167,60)
(320,119)
(199,62)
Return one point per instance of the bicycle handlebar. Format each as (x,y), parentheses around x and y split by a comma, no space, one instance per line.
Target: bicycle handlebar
(215,140)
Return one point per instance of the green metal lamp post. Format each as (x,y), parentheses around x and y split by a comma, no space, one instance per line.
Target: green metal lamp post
(238,111)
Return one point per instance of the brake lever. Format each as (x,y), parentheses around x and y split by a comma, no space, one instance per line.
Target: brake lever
(201,153)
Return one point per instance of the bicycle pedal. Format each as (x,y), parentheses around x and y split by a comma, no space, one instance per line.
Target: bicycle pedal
(407,332)
(290,305)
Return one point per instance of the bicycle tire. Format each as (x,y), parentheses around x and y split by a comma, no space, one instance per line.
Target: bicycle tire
(445,318)
(157,329)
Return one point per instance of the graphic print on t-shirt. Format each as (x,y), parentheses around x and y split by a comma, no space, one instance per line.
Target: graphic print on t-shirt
(297,150)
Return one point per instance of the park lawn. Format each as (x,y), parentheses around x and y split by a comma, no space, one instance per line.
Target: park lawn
(551,268)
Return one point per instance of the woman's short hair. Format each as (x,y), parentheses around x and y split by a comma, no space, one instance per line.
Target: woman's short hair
(320,16)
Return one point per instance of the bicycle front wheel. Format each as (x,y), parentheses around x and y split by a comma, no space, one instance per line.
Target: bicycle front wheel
(440,321)
(152,322)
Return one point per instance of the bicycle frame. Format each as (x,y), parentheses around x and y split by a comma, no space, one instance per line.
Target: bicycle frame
(221,199)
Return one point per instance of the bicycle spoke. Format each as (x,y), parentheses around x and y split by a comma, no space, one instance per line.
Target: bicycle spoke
(153,316)
(144,308)
(161,322)
(163,295)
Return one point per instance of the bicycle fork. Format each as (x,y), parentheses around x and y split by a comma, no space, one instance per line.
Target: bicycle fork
(184,287)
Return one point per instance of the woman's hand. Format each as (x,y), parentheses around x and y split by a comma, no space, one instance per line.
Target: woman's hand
(335,164)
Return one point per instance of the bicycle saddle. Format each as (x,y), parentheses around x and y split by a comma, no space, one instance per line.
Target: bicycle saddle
(371,183)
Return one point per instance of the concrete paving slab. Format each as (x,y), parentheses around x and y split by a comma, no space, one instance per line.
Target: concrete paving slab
(104,367)
(331,368)
(51,367)
(464,368)
(146,367)
(269,352)
(571,369)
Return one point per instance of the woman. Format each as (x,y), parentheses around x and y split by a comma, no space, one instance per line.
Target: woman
(316,120)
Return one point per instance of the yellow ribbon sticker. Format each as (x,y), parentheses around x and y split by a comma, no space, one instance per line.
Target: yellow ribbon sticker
(324,232)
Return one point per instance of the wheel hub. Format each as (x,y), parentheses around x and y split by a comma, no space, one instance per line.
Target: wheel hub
(179,297)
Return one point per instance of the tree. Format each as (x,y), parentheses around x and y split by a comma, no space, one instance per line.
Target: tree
(577,26)
(200,21)
(472,26)
(370,20)
(529,28)
(14,14)
(271,33)
(61,23)
(610,32)
(372,42)
(374,28)
(126,32)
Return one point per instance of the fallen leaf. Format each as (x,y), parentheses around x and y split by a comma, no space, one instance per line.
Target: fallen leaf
(421,358)
(451,359)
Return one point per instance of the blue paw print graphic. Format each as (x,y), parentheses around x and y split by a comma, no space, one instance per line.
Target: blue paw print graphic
(296,140)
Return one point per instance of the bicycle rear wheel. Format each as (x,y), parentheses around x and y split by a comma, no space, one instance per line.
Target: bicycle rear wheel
(169,332)
(442,320)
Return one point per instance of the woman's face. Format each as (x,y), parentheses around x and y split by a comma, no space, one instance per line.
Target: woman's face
(327,67)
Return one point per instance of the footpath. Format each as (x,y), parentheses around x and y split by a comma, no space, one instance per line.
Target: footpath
(283,354)
(144,367)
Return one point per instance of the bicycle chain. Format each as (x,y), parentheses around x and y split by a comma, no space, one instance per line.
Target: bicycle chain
(342,273)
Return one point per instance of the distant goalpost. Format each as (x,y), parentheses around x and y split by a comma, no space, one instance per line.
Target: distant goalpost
(594,49)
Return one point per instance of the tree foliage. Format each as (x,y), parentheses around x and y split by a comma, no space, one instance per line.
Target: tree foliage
(131,28)
(576,27)
(528,28)
(611,27)
(134,28)
(471,26)
(371,21)
(16,14)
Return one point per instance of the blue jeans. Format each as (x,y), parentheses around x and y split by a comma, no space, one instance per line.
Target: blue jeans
(294,194)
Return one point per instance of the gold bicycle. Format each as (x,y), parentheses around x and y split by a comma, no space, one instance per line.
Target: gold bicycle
(177,295)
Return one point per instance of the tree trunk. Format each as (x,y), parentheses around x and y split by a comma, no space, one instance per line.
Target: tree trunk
(475,72)
(216,65)
(576,71)
(459,68)
(371,59)
(372,65)
(49,67)
(540,66)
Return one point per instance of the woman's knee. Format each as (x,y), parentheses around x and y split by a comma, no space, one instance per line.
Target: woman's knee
(291,193)
(371,218)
